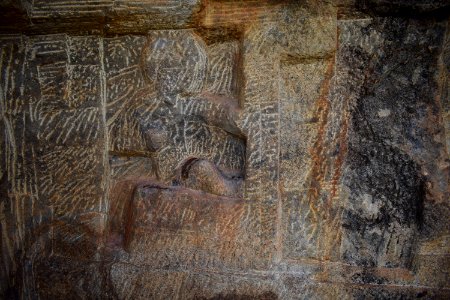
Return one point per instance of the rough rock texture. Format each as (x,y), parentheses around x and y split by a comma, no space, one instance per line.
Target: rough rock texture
(224,149)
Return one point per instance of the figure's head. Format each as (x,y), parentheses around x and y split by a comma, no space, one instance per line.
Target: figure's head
(176,61)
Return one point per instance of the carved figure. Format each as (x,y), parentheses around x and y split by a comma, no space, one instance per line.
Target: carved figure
(199,133)
(193,140)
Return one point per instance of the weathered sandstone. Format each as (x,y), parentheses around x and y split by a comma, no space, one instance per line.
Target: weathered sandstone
(224,149)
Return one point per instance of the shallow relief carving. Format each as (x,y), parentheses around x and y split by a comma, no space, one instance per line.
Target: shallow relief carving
(180,122)
(280,149)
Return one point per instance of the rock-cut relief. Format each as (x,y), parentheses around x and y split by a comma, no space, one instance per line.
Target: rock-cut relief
(181,127)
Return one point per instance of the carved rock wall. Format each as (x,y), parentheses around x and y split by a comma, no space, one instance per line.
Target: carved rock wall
(224,149)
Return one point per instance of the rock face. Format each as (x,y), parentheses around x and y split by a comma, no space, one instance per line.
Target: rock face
(224,149)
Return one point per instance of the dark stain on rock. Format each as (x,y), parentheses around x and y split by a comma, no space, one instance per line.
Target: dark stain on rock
(387,186)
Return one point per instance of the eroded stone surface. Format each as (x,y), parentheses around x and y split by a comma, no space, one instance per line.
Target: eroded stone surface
(224,149)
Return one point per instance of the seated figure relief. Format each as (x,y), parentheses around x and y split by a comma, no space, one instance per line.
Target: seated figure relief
(189,132)
(202,142)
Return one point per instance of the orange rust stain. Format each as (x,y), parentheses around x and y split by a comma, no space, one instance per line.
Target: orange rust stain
(318,157)
(338,163)
(340,159)
(319,170)
(242,13)
(323,276)
(395,274)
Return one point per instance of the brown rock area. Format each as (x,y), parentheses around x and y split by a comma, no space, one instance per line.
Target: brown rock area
(224,149)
